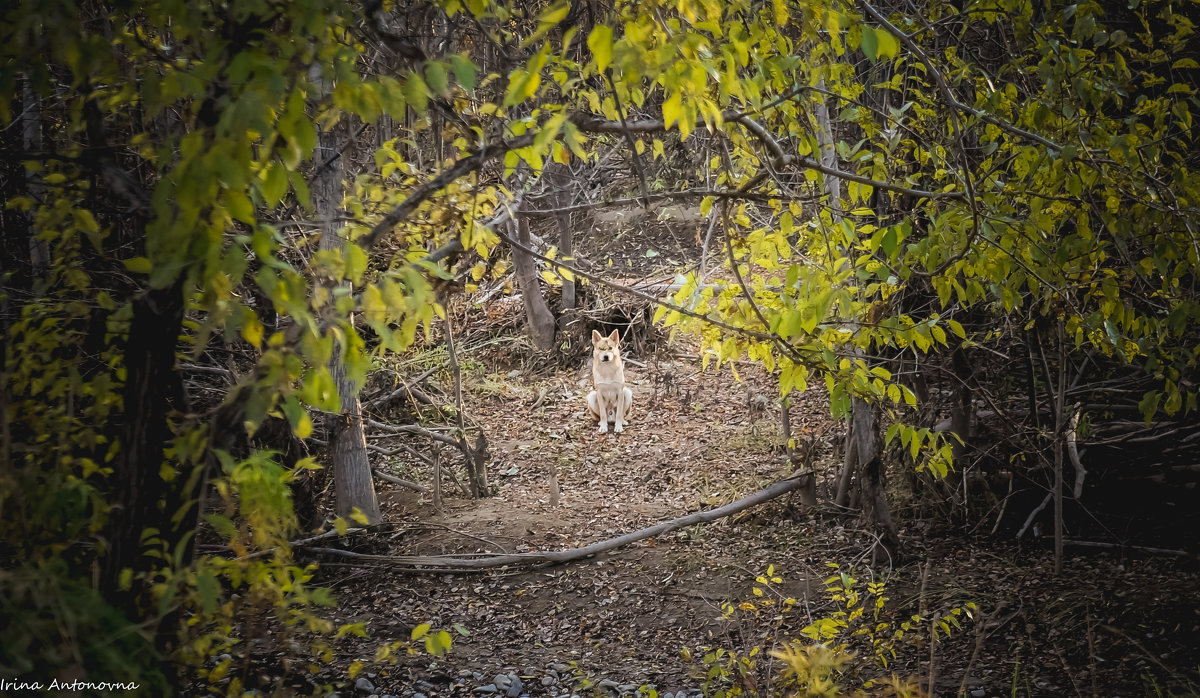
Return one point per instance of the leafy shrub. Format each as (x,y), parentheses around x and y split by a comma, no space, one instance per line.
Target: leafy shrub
(827,660)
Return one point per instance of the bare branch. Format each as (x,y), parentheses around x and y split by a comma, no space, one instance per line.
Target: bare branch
(450,563)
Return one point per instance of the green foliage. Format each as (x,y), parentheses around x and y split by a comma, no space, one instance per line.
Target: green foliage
(50,618)
(825,662)
(216,106)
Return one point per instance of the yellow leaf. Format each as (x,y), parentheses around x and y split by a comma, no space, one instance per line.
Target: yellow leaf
(600,43)
(138,265)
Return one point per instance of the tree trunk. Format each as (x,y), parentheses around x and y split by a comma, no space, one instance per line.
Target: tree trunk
(560,179)
(352,478)
(960,420)
(143,499)
(537,313)
(862,453)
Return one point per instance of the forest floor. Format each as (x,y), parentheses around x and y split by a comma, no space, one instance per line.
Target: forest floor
(646,615)
(679,613)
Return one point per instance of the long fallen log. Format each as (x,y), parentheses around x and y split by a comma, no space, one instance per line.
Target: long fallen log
(442,564)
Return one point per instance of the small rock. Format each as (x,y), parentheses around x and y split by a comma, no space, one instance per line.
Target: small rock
(528,671)
(549,680)
(502,681)
(477,676)
(419,695)
(514,689)
(560,667)
(465,673)
(978,693)
(364,685)
(490,688)
(627,688)
(424,686)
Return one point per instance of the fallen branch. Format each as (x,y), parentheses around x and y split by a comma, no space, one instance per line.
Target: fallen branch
(1123,546)
(1033,514)
(400,481)
(449,563)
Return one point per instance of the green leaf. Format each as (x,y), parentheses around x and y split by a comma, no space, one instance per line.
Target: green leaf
(464,71)
(274,184)
(419,631)
(869,44)
(208,589)
(437,78)
(416,92)
(238,205)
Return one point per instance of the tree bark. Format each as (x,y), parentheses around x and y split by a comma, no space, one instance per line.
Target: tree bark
(353,483)
(537,312)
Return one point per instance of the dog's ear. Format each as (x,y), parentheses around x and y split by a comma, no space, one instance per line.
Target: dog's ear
(615,338)
(596,337)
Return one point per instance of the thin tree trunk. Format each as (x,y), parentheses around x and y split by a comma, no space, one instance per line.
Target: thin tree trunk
(1060,430)
(31,139)
(352,478)
(476,460)
(960,420)
(863,454)
(560,179)
(537,313)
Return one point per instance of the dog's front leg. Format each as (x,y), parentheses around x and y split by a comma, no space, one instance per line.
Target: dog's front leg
(619,411)
(601,409)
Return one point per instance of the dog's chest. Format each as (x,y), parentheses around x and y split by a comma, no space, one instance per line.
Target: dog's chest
(608,379)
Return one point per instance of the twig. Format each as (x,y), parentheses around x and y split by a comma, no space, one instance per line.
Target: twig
(1073,452)
(386,477)
(770,337)
(637,161)
(662,196)
(1123,546)
(1033,514)
(400,448)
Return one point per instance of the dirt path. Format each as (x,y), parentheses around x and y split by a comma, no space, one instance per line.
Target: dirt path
(619,621)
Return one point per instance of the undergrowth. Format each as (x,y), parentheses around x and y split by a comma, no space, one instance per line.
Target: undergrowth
(848,650)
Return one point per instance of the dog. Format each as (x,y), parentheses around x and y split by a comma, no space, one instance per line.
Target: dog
(610,400)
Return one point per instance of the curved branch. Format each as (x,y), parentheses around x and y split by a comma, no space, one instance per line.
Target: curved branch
(441,564)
